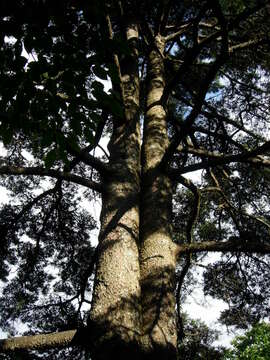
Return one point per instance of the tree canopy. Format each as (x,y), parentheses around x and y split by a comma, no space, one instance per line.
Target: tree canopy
(254,344)
(189,92)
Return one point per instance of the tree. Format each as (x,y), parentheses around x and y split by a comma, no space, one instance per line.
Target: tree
(255,344)
(188,93)
(198,341)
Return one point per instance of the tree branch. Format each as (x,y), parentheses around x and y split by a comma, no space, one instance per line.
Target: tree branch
(189,237)
(89,148)
(231,208)
(228,120)
(214,114)
(223,32)
(179,32)
(189,121)
(88,159)
(248,44)
(39,171)
(216,135)
(42,341)
(116,84)
(214,159)
(234,245)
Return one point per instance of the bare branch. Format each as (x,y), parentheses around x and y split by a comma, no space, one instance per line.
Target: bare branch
(235,245)
(30,204)
(228,120)
(89,148)
(248,44)
(39,171)
(182,29)
(213,159)
(42,341)
(115,56)
(229,205)
(88,159)
(189,234)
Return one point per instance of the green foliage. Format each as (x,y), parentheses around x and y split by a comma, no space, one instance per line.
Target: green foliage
(208,231)
(253,345)
(242,282)
(198,341)
(51,95)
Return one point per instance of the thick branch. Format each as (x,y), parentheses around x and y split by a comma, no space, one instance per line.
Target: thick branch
(214,159)
(189,235)
(235,245)
(89,148)
(88,159)
(248,156)
(196,205)
(35,342)
(39,171)
(179,32)
(248,44)
(118,82)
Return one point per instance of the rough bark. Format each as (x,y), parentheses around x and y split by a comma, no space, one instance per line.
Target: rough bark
(37,342)
(234,245)
(115,314)
(157,253)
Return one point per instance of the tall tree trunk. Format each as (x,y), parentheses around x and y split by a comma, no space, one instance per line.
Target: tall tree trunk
(115,314)
(157,254)
(133,306)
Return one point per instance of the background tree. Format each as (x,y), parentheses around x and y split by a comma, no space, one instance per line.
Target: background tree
(254,344)
(190,91)
(198,341)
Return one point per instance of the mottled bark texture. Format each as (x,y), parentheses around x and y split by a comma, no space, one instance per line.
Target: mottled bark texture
(133,307)
(37,342)
(157,252)
(115,314)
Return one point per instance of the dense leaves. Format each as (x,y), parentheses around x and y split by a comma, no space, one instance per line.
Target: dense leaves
(254,344)
(54,254)
(243,282)
(47,57)
(198,342)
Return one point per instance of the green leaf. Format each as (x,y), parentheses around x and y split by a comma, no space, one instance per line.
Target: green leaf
(45,75)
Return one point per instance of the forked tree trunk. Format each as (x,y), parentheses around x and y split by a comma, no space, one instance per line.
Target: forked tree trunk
(157,254)
(132,314)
